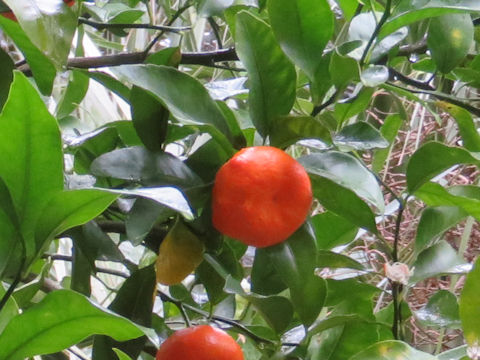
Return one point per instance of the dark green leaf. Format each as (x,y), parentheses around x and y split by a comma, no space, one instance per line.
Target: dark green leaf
(330,259)
(347,171)
(110,83)
(436,260)
(431,159)
(295,24)
(32,165)
(441,310)
(449,39)
(360,136)
(150,118)
(354,105)
(391,350)
(276,310)
(389,131)
(434,222)
(52,325)
(81,270)
(264,278)
(149,168)
(6,75)
(184,96)
(287,130)
(470,306)
(342,70)
(76,90)
(272,76)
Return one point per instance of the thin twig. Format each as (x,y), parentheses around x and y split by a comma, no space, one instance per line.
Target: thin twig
(105,26)
(383,20)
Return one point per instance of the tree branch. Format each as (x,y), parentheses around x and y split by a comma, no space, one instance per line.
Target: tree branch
(104,26)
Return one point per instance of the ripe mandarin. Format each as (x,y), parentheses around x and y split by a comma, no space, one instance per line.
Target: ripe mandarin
(261,196)
(201,342)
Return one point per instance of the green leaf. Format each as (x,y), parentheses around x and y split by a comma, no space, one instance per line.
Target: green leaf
(272,76)
(295,25)
(342,70)
(408,12)
(287,130)
(184,96)
(362,28)
(449,39)
(149,117)
(147,167)
(343,202)
(434,222)
(333,260)
(466,125)
(441,311)
(9,311)
(276,310)
(42,67)
(436,260)
(389,131)
(347,171)
(431,159)
(354,105)
(470,306)
(295,261)
(41,21)
(360,136)
(457,353)
(6,74)
(465,197)
(76,90)
(209,8)
(53,325)
(374,75)
(134,301)
(332,230)
(32,165)
(392,350)
(68,209)
(265,280)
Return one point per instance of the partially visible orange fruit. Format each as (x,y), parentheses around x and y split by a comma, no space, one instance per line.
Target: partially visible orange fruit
(201,342)
(261,196)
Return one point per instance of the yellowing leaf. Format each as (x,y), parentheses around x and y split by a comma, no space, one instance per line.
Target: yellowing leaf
(180,253)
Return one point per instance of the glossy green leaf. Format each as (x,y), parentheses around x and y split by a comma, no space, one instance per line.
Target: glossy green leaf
(81,271)
(150,118)
(295,261)
(434,222)
(457,353)
(272,77)
(470,306)
(9,311)
(389,131)
(347,171)
(184,96)
(343,202)
(276,310)
(42,67)
(374,75)
(465,197)
(408,12)
(149,168)
(287,130)
(110,83)
(436,260)
(265,280)
(449,39)
(362,28)
(332,230)
(32,165)
(75,92)
(466,126)
(295,25)
(441,311)
(360,136)
(431,159)
(392,350)
(41,21)
(52,325)
(330,259)
(68,209)
(134,301)
(342,70)
(354,105)
(6,74)
(343,341)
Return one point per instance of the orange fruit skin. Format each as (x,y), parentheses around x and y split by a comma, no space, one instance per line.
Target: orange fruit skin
(201,342)
(11,16)
(261,196)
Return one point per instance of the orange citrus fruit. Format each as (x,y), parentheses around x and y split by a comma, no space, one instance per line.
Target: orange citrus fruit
(201,342)
(261,196)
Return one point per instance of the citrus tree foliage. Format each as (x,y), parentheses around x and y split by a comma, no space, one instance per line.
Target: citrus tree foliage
(117,114)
